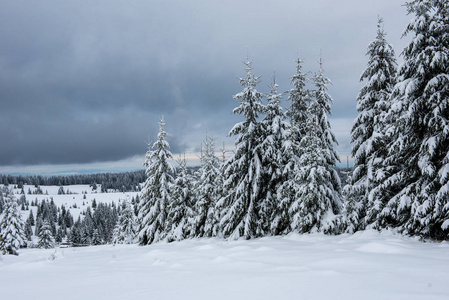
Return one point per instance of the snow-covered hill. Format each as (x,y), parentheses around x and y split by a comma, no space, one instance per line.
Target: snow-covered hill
(366,265)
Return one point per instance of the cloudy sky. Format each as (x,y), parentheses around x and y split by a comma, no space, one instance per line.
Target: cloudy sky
(84,83)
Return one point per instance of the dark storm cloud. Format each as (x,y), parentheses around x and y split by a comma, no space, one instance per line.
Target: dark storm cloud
(88,81)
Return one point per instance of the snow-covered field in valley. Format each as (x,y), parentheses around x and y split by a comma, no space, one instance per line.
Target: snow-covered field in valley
(366,265)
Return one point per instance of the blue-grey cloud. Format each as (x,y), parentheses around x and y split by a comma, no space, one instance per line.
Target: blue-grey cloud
(85,81)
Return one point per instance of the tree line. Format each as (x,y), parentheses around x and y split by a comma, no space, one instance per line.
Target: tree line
(120,182)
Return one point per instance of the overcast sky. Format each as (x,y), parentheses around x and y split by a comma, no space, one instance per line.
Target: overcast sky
(84,83)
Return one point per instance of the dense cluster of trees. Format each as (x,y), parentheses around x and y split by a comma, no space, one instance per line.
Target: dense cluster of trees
(98,224)
(401,137)
(282,176)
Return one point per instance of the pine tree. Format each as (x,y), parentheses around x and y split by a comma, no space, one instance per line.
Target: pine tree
(206,219)
(124,231)
(28,229)
(324,101)
(180,208)
(46,236)
(275,133)
(12,232)
(59,236)
(31,218)
(75,233)
(300,98)
(317,197)
(368,133)
(417,184)
(243,171)
(156,195)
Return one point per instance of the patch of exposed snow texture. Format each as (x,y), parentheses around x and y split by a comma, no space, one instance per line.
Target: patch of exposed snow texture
(366,265)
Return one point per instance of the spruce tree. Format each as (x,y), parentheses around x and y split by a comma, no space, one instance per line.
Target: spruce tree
(46,239)
(31,218)
(300,98)
(28,229)
(12,231)
(324,101)
(274,136)
(317,197)
(180,208)
(418,162)
(243,172)
(125,229)
(368,134)
(156,194)
(208,185)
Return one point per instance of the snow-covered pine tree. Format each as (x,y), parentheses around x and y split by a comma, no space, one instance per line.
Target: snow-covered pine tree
(46,239)
(12,232)
(418,162)
(315,195)
(274,135)
(31,218)
(205,222)
(243,172)
(125,229)
(368,133)
(324,101)
(317,198)
(300,98)
(156,195)
(180,207)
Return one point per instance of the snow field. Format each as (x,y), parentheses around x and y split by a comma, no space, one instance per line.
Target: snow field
(366,265)
(69,200)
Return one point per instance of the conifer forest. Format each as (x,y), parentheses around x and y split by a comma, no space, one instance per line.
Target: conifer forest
(273,215)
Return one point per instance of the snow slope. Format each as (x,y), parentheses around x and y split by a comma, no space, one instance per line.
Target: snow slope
(366,265)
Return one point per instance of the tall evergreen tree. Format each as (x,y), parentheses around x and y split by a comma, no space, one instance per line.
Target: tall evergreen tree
(12,231)
(317,193)
(418,162)
(324,101)
(315,198)
(156,196)
(180,208)
(208,187)
(125,230)
(243,170)
(368,133)
(300,98)
(274,136)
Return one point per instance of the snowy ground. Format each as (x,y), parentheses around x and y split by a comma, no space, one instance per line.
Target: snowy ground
(366,265)
(80,197)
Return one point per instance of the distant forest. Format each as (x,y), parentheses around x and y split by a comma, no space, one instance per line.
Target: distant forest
(121,182)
